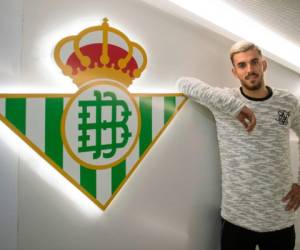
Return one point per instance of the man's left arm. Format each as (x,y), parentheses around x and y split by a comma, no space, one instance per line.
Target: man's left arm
(293,197)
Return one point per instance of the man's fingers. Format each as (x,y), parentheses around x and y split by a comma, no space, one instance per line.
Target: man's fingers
(293,198)
(293,204)
(288,196)
(252,122)
(247,118)
(297,206)
(242,119)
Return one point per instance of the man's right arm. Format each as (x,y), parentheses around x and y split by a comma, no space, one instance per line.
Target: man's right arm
(212,97)
(217,99)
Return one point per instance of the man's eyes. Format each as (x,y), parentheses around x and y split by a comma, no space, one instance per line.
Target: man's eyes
(243,65)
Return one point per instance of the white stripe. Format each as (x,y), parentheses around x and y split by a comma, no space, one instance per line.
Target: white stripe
(132,158)
(157,115)
(104,185)
(35,121)
(70,166)
(2,106)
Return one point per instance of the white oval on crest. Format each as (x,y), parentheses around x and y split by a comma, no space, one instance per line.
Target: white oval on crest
(100,125)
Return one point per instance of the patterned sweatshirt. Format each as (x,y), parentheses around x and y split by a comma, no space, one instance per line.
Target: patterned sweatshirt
(256,169)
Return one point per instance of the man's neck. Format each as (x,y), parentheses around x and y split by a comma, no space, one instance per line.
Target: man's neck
(259,93)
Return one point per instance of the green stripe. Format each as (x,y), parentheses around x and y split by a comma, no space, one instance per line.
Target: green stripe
(146,120)
(170,106)
(15,112)
(88,180)
(53,142)
(118,174)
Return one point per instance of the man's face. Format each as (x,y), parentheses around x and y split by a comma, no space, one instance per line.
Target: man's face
(249,68)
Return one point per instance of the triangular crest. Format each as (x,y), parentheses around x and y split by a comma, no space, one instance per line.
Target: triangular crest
(36,118)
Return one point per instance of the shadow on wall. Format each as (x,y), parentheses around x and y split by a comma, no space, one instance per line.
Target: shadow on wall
(204,219)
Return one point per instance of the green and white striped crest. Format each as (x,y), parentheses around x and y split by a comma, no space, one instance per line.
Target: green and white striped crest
(129,126)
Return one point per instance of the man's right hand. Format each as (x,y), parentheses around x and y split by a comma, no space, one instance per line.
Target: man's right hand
(247,118)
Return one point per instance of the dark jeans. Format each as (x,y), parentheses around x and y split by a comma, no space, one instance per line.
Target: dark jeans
(237,238)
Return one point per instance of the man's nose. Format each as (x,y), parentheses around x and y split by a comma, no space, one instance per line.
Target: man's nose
(249,68)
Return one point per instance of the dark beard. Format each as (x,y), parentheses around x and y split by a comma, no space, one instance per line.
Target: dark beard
(256,86)
(252,87)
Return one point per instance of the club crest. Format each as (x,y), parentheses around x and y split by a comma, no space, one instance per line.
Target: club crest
(98,136)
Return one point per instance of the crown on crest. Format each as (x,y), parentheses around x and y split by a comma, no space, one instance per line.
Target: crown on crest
(100,52)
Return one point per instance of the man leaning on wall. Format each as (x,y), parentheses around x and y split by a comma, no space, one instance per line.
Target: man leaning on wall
(259,198)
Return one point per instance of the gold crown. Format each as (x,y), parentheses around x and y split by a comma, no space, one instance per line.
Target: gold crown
(100,52)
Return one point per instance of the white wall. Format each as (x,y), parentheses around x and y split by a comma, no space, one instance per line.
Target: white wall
(8,193)
(172,200)
(10,61)
(11,40)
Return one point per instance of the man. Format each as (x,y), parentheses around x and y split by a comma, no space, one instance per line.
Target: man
(259,198)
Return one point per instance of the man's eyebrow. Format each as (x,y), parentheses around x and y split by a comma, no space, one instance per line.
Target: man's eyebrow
(253,59)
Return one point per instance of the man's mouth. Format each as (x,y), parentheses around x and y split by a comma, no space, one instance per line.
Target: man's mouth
(251,76)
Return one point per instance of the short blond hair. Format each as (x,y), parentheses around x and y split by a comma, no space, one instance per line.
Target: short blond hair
(242,46)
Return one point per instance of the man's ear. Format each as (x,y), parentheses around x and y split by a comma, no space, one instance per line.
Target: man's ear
(233,70)
(265,65)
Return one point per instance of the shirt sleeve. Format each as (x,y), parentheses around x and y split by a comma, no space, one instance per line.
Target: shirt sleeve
(295,125)
(212,97)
